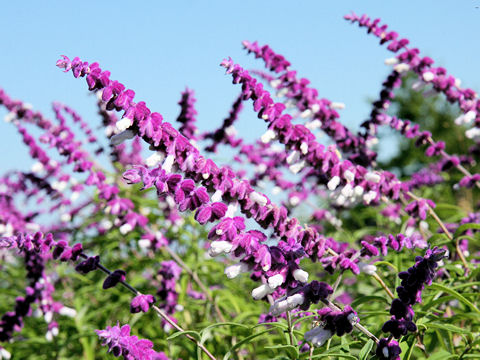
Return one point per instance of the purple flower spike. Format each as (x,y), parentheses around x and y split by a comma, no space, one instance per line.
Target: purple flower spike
(88,265)
(120,342)
(113,279)
(141,303)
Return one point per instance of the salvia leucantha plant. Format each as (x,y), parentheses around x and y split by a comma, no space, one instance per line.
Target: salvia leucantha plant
(297,248)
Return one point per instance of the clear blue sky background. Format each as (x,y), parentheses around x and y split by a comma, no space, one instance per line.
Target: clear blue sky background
(159,47)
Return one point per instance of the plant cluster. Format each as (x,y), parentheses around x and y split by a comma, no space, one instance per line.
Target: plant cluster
(342,256)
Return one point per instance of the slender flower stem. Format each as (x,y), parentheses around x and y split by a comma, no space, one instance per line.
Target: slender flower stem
(290,328)
(383,285)
(197,280)
(447,233)
(335,285)
(157,310)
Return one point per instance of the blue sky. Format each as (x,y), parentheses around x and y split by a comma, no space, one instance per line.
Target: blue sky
(157,48)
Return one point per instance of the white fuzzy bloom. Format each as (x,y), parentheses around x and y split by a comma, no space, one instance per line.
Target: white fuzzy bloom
(428,76)
(168,163)
(217,196)
(312,125)
(121,137)
(423,225)
(37,167)
(67,311)
(125,228)
(293,157)
(469,117)
(234,270)
(268,136)
(368,197)
(10,117)
(333,183)
(372,177)
(154,159)
(318,336)
(231,131)
(458,83)
(401,68)
(337,105)
(276,190)
(391,61)
(306,113)
(300,275)
(296,168)
(59,185)
(366,268)
(294,200)
(315,108)
(282,92)
(258,198)
(340,200)
(65,217)
(231,210)
(275,83)
(275,281)
(385,352)
(472,133)
(48,317)
(349,176)
(75,195)
(106,224)
(358,190)
(304,148)
(260,168)
(261,291)
(144,244)
(4,354)
(285,304)
(123,124)
(219,247)
(347,191)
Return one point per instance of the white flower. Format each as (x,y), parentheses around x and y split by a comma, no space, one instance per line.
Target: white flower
(318,336)
(154,159)
(234,270)
(168,163)
(337,105)
(275,281)
(348,175)
(366,268)
(268,136)
(333,183)
(300,275)
(295,168)
(391,61)
(218,247)
(4,354)
(123,124)
(372,177)
(401,68)
(67,311)
(261,291)
(428,76)
(258,198)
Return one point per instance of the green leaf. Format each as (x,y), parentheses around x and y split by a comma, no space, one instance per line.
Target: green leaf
(333,355)
(411,346)
(462,228)
(292,350)
(247,340)
(368,299)
(456,294)
(192,333)
(363,354)
(447,327)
